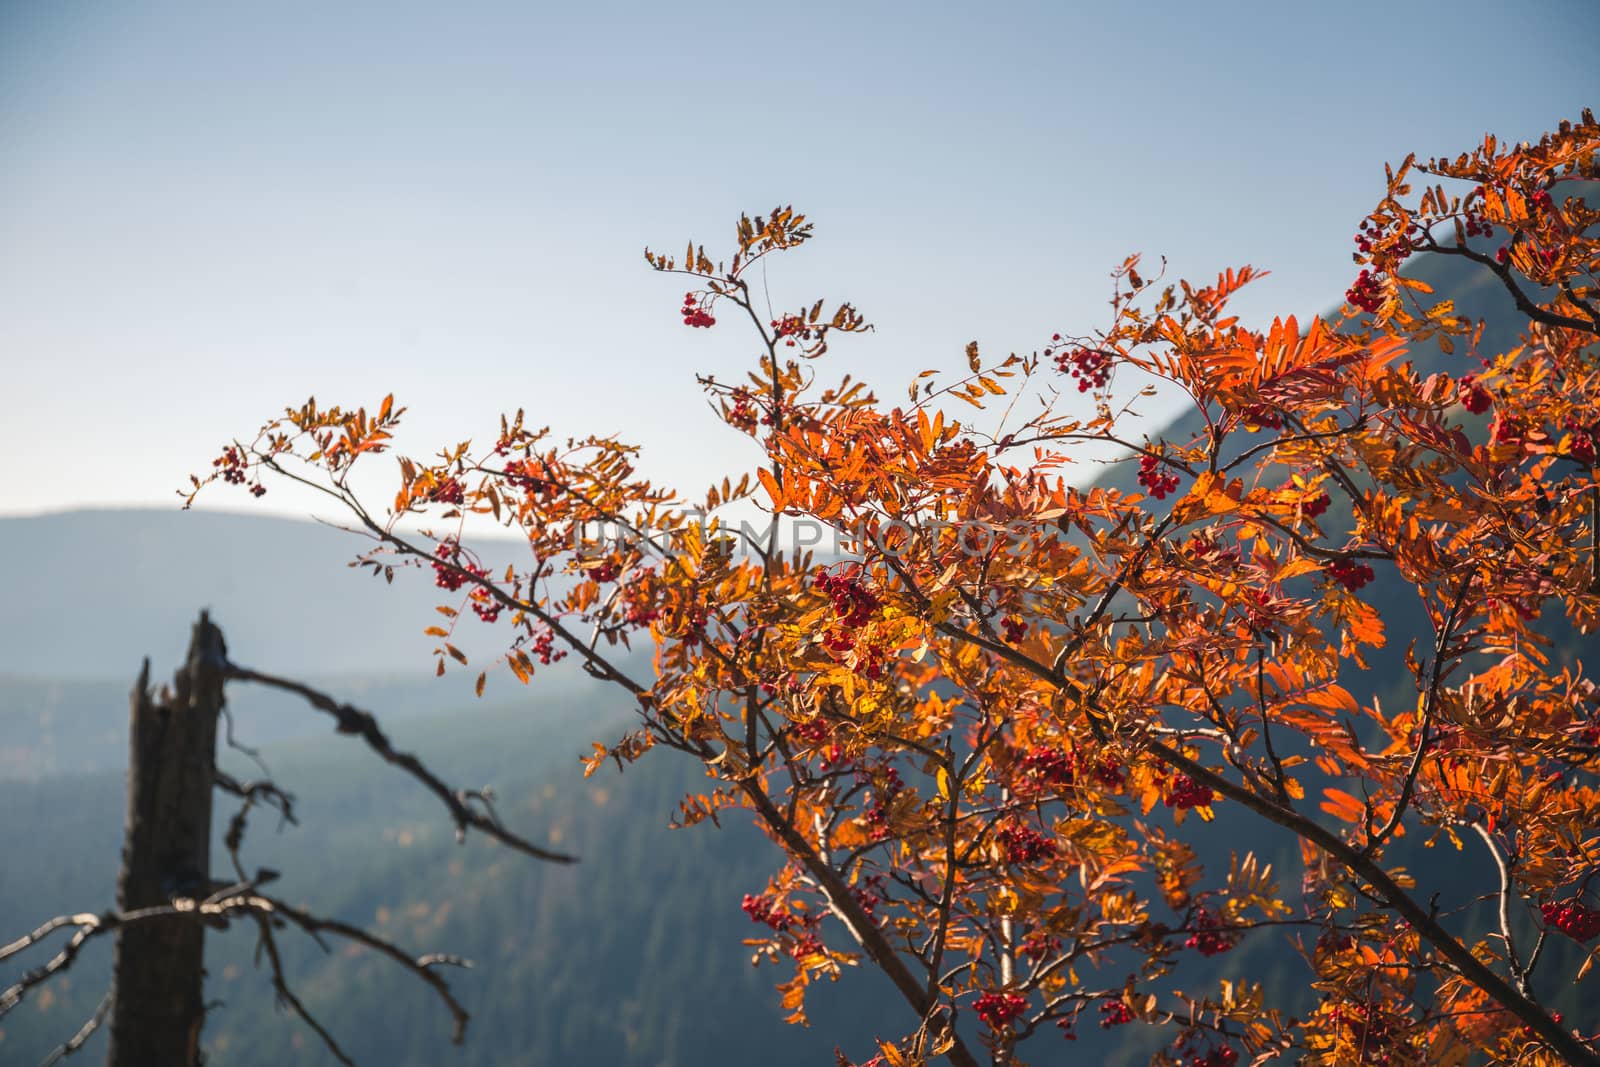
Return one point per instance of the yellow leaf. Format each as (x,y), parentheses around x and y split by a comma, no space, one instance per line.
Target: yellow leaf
(1300,566)
(891,1055)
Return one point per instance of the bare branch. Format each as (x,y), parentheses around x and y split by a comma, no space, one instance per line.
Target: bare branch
(1430,701)
(77,1040)
(1518,972)
(354,721)
(286,995)
(217,910)
(88,925)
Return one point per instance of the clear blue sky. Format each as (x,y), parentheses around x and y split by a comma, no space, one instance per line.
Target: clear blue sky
(211,210)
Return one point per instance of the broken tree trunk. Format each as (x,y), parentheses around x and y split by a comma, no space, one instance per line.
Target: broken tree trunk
(157,1007)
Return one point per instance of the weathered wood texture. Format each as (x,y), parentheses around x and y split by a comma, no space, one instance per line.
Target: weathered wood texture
(157,1008)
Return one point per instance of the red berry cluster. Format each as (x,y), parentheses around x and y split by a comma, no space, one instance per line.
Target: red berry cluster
(1024,845)
(1474,397)
(1581,444)
(1350,574)
(1223,1056)
(1576,920)
(812,734)
(606,571)
(1090,367)
(1043,766)
(877,813)
(853,603)
(817,735)
(1039,945)
(1114,1013)
(452,568)
(803,943)
(1014,629)
(1184,793)
(1208,937)
(1161,483)
(1541,257)
(1507,429)
(1404,244)
(1366,293)
(870,894)
(485,606)
(232,465)
(806,944)
(791,327)
(742,413)
(1107,773)
(640,614)
(870,657)
(853,606)
(1474,222)
(544,647)
(762,910)
(446,492)
(1313,506)
(694,314)
(998,1009)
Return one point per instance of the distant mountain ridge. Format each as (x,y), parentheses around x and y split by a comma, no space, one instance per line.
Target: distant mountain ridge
(85,595)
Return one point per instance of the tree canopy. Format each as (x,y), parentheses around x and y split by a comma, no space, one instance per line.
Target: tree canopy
(995,736)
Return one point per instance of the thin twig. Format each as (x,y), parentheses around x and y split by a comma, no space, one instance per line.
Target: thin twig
(77,1040)
(1518,973)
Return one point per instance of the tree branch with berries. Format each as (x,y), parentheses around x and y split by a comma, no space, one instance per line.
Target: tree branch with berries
(987,739)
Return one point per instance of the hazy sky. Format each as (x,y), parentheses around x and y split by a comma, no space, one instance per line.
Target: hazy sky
(211,210)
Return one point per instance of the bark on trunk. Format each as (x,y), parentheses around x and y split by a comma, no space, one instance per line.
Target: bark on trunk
(157,1007)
